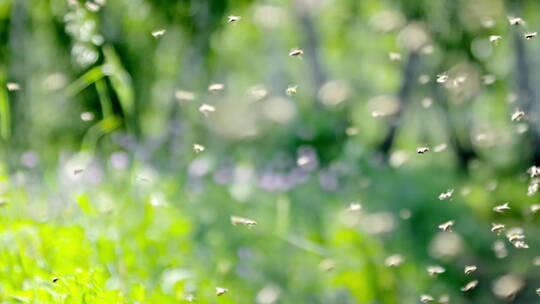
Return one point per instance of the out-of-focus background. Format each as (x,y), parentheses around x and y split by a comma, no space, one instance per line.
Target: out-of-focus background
(154,151)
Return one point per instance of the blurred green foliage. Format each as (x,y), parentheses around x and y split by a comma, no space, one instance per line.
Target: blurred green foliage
(104,200)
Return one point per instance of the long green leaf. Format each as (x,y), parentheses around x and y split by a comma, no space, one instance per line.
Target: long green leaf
(101,128)
(104,98)
(122,85)
(88,78)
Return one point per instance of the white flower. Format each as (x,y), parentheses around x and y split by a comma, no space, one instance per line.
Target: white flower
(302,161)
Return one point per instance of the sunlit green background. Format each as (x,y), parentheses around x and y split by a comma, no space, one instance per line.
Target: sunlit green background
(104,200)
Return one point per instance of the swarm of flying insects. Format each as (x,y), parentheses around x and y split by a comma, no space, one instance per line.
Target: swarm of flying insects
(157,151)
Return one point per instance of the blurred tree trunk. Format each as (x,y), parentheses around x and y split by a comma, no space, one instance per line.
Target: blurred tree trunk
(462,147)
(526,93)
(413,10)
(461,143)
(16,67)
(311,46)
(404,96)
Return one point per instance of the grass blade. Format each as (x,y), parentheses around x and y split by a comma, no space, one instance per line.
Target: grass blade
(101,128)
(122,85)
(88,78)
(104,98)
(5,119)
